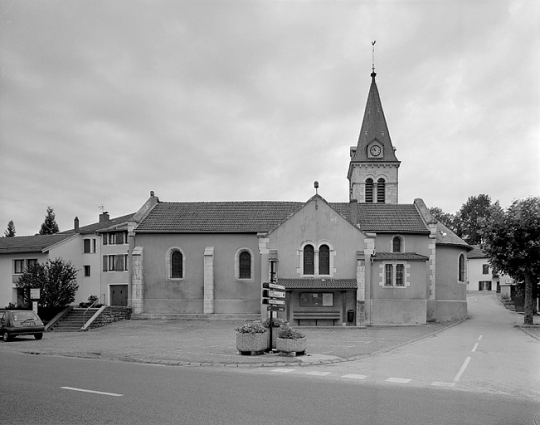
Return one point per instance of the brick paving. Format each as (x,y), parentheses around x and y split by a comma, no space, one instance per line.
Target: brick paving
(206,343)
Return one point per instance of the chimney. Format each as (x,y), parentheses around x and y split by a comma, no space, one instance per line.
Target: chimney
(104,217)
(354,211)
(76,224)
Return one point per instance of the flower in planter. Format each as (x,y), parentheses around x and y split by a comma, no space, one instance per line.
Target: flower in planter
(251,328)
(276,322)
(287,332)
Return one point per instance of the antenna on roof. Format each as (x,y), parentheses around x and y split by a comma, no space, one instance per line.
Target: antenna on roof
(102,208)
(316,186)
(373,58)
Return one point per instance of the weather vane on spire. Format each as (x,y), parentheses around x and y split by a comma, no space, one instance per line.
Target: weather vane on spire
(373,55)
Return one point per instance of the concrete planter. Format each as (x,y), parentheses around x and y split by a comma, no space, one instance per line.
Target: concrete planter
(287,345)
(251,342)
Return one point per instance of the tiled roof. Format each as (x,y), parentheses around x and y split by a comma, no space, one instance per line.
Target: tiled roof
(217,217)
(317,283)
(27,244)
(476,253)
(446,237)
(404,256)
(385,218)
(93,228)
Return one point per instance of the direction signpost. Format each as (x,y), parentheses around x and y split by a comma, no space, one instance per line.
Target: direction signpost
(273,295)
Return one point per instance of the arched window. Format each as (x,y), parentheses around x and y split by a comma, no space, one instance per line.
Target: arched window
(309,259)
(369,190)
(461,268)
(381,191)
(177,265)
(324,259)
(244,265)
(396,244)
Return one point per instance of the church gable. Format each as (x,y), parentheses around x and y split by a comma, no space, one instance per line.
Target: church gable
(316,241)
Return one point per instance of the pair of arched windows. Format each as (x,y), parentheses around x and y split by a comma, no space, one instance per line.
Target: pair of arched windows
(381,191)
(323,262)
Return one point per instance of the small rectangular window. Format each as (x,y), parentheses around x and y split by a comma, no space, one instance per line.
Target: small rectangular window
(316,299)
(388,275)
(399,275)
(86,271)
(30,263)
(87,246)
(485,268)
(18,266)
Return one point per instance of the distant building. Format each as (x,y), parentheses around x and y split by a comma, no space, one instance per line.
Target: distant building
(481,277)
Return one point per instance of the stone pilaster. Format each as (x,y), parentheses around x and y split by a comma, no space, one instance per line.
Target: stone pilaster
(137,283)
(208,307)
(361,291)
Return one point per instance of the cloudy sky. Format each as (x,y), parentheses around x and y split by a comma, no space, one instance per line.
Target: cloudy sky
(103,101)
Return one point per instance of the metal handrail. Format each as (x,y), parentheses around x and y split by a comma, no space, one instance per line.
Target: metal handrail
(92,305)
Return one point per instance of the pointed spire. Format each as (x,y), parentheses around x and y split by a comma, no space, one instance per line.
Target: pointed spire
(374,128)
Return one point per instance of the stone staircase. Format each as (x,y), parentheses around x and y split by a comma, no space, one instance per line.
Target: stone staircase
(74,320)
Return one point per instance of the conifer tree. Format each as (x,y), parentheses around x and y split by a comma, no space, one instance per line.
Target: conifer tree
(49,226)
(10,231)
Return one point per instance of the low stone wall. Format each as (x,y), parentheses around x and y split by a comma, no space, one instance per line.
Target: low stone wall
(110,315)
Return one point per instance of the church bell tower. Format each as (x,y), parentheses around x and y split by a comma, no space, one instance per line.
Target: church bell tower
(373,170)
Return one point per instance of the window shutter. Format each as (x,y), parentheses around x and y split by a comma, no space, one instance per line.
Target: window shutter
(105,263)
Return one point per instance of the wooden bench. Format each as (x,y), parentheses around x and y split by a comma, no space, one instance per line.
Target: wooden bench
(316,315)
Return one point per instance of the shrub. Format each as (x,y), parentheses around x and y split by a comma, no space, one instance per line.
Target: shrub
(276,322)
(287,332)
(251,328)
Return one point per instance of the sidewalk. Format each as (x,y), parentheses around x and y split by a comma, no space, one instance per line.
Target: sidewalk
(206,343)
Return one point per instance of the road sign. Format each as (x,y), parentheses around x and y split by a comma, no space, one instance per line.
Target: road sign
(275,308)
(35,293)
(273,301)
(269,285)
(276,294)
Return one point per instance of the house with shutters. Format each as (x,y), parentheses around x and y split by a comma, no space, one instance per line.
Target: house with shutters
(370,260)
(98,251)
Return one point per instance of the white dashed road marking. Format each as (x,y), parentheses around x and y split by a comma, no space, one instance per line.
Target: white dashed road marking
(475,347)
(91,391)
(282,370)
(462,369)
(399,380)
(318,373)
(443,384)
(353,376)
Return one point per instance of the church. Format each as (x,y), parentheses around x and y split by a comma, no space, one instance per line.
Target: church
(368,261)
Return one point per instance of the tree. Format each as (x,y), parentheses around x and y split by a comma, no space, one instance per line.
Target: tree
(449,220)
(57,280)
(49,226)
(10,231)
(512,240)
(472,217)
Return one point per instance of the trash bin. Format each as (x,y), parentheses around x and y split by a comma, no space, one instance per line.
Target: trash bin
(350,315)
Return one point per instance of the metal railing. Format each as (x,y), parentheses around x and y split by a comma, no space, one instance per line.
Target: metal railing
(93,304)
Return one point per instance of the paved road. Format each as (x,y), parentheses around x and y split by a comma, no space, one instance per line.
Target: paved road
(483,354)
(44,390)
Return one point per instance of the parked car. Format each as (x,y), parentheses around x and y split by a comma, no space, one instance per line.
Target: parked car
(20,322)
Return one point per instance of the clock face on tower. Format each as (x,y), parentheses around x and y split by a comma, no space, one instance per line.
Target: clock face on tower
(375,150)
